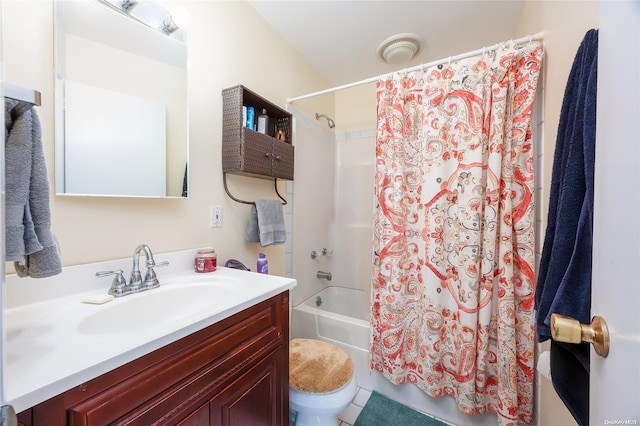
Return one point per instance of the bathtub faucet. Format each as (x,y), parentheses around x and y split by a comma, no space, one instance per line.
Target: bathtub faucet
(324,275)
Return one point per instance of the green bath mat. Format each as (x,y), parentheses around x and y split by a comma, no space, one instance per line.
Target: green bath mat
(381,411)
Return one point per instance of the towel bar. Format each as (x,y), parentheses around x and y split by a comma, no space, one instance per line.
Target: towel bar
(21,94)
(226,189)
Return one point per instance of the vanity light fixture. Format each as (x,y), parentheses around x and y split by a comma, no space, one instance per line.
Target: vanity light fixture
(152,15)
(399,48)
(122,5)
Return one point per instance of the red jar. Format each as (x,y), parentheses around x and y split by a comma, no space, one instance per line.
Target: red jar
(206,260)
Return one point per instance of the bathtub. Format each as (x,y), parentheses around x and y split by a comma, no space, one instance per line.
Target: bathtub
(336,315)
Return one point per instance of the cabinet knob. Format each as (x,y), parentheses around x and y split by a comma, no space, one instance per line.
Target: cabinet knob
(267,154)
(277,158)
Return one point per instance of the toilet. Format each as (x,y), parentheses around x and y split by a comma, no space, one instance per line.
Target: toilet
(322,382)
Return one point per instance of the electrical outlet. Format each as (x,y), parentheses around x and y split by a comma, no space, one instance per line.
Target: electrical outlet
(216,216)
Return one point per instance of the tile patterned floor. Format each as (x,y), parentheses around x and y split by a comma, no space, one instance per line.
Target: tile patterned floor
(350,414)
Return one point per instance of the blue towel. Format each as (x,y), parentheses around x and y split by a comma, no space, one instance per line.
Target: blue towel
(564,277)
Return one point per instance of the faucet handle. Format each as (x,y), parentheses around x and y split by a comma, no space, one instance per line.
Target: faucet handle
(150,279)
(118,285)
(135,281)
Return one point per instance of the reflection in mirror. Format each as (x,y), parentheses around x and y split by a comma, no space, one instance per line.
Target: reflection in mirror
(121,101)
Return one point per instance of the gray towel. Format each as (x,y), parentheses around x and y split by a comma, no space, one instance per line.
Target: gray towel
(253,231)
(266,223)
(29,241)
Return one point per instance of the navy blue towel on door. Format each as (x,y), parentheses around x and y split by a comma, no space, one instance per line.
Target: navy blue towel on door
(564,276)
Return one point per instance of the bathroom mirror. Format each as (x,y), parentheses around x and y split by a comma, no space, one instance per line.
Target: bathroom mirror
(121,100)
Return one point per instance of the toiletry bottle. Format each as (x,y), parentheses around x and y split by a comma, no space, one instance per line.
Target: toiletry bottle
(263,265)
(244,115)
(251,115)
(264,123)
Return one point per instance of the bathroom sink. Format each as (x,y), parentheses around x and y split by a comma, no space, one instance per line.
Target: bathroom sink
(181,300)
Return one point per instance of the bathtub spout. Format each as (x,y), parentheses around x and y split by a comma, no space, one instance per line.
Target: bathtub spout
(324,275)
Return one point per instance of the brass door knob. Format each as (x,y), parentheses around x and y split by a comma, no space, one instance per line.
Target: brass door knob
(569,330)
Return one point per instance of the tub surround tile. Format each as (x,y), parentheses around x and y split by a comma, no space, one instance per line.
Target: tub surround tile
(362,397)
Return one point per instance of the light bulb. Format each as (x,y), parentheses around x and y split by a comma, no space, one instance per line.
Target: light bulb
(181,17)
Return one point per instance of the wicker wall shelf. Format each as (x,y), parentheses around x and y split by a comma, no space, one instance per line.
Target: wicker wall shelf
(248,152)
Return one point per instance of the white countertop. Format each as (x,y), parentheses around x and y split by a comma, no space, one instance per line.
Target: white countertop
(49,349)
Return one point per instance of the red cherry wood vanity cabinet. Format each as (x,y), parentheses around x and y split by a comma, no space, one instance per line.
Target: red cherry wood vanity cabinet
(234,372)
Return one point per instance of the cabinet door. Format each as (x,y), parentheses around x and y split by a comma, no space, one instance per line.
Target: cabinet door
(197,418)
(252,399)
(283,154)
(25,418)
(257,151)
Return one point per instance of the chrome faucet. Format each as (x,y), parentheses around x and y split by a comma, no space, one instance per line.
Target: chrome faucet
(150,280)
(119,286)
(324,275)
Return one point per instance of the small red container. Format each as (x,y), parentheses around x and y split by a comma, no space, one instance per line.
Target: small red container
(206,260)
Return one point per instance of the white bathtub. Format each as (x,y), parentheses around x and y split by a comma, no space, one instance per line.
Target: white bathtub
(337,315)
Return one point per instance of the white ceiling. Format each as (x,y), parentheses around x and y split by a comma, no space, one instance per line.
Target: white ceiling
(340,38)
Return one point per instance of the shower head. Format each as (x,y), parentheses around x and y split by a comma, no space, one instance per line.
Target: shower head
(330,122)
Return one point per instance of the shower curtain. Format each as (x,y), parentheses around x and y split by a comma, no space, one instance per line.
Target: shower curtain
(453,280)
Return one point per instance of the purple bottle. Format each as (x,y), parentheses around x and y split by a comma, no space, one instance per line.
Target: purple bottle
(263,265)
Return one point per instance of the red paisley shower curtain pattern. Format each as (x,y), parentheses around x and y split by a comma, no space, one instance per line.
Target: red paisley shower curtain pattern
(453,280)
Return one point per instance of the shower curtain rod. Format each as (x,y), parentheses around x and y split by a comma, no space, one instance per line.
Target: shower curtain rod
(526,39)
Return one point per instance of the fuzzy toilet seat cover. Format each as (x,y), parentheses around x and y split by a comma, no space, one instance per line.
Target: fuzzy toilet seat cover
(318,367)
